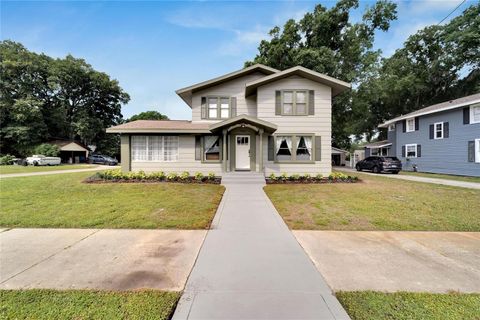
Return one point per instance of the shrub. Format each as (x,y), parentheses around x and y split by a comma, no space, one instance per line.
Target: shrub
(6,159)
(307,177)
(172,176)
(319,176)
(283,177)
(185,175)
(338,176)
(199,176)
(160,175)
(211,176)
(47,149)
(295,177)
(272,176)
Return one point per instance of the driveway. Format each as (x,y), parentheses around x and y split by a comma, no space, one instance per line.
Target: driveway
(251,267)
(42,173)
(97,259)
(395,260)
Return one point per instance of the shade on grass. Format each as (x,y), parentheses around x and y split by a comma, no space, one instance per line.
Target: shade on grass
(27,169)
(64,201)
(370,305)
(81,304)
(377,203)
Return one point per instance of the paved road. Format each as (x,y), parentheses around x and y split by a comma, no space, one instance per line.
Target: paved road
(42,173)
(251,266)
(446,182)
(396,260)
(97,259)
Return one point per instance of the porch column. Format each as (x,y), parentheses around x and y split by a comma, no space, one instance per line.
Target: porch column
(224,159)
(260,132)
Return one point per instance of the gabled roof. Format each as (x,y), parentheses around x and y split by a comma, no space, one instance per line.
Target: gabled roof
(160,126)
(186,93)
(244,119)
(378,144)
(68,145)
(338,86)
(337,151)
(444,106)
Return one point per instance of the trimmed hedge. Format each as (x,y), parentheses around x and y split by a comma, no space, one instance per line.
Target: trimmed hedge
(334,177)
(118,176)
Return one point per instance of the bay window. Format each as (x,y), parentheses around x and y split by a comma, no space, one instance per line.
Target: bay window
(294,148)
(154,148)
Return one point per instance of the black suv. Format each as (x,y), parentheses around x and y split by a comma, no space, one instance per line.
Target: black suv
(106,160)
(380,164)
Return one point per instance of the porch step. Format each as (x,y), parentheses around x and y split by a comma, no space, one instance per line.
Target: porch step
(243,178)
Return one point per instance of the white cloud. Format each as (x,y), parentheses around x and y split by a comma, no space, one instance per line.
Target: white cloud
(243,41)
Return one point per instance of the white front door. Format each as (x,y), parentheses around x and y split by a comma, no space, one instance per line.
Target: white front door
(242,153)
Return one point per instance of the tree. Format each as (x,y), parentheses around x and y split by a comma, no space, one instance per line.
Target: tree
(327,41)
(148,115)
(47,149)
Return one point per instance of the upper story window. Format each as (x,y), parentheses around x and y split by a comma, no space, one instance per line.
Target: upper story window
(410,124)
(154,148)
(438,130)
(218,107)
(295,103)
(475,113)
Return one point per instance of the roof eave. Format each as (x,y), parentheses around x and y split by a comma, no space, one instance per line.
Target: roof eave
(143,130)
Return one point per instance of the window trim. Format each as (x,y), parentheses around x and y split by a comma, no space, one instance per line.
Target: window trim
(294,102)
(474,106)
(202,148)
(294,148)
(406,150)
(476,149)
(435,130)
(163,148)
(407,129)
(219,108)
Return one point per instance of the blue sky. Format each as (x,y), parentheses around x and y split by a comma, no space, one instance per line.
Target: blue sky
(153,48)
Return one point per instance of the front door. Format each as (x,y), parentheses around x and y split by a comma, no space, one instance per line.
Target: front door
(242,153)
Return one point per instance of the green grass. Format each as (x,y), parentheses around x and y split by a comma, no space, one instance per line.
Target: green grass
(377,203)
(22,169)
(370,305)
(441,176)
(64,201)
(81,304)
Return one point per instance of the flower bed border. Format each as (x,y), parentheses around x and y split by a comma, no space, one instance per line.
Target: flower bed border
(191,180)
(311,181)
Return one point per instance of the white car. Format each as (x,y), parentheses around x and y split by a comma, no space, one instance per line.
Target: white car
(40,160)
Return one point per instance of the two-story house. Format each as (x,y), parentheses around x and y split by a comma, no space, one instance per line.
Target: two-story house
(255,119)
(442,138)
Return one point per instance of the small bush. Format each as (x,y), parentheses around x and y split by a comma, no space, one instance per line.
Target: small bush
(6,159)
(184,176)
(295,177)
(199,176)
(172,176)
(47,149)
(272,176)
(117,175)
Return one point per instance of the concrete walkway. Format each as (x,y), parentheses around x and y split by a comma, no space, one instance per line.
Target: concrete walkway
(251,266)
(42,173)
(446,182)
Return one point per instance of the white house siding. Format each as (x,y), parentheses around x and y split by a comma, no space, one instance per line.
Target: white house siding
(318,124)
(186,161)
(233,88)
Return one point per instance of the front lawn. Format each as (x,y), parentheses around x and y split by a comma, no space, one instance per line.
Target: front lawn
(64,201)
(82,304)
(377,203)
(370,305)
(441,176)
(26,169)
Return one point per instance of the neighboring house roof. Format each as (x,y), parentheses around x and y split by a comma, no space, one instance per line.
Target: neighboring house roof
(243,119)
(337,151)
(338,86)
(186,93)
(66,145)
(160,126)
(444,106)
(378,144)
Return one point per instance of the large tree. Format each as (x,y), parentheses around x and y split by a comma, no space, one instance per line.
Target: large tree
(43,98)
(327,41)
(148,115)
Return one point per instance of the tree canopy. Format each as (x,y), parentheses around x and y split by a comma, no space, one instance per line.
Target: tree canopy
(148,115)
(43,98)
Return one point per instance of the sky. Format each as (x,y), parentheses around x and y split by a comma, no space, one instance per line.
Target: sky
(155,47)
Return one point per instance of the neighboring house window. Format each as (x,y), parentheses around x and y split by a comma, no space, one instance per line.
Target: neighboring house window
(475,113)
(218,107)
(410,124)
(155,148)
(391,127)
(294,148)
(411,150)
(295,103)
(438,130)
(211,148)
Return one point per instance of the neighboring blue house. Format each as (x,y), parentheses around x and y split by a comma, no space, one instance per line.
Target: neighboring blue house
(442,138)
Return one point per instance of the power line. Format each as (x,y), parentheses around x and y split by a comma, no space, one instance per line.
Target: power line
(448,15)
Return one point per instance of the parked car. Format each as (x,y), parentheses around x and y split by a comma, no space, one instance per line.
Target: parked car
(41,160)
(101,159)
(380,164)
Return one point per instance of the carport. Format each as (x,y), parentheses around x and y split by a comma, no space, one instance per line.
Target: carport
(71,151)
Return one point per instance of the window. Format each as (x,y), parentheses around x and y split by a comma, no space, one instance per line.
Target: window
(391,127)
(155,148)
(411,150)
(438,134)
(294,148)
(211,148)
(295,102)
(475,113)
(410,124)
(477,150)
(218,107)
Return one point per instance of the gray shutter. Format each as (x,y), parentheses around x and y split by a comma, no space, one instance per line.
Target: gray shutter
(446,130)
(311,102)
(431,131)
(198,148)
(471,151)
(318,148)
(233,107)
(271,152)
(417,124)
(203,110)
(278,102)
(404,125)
(419,150)
(403,152)
(466,115)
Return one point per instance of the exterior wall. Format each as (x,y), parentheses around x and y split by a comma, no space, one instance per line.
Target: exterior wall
(449,155)
(125,152)
(392,138)
(233,88)
(318,124)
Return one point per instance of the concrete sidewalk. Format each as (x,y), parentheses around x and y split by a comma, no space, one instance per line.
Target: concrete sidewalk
(446,182)
(43,173)
(251,266)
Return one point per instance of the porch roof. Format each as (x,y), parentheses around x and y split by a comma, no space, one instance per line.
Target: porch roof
(243,119)
(378,144)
